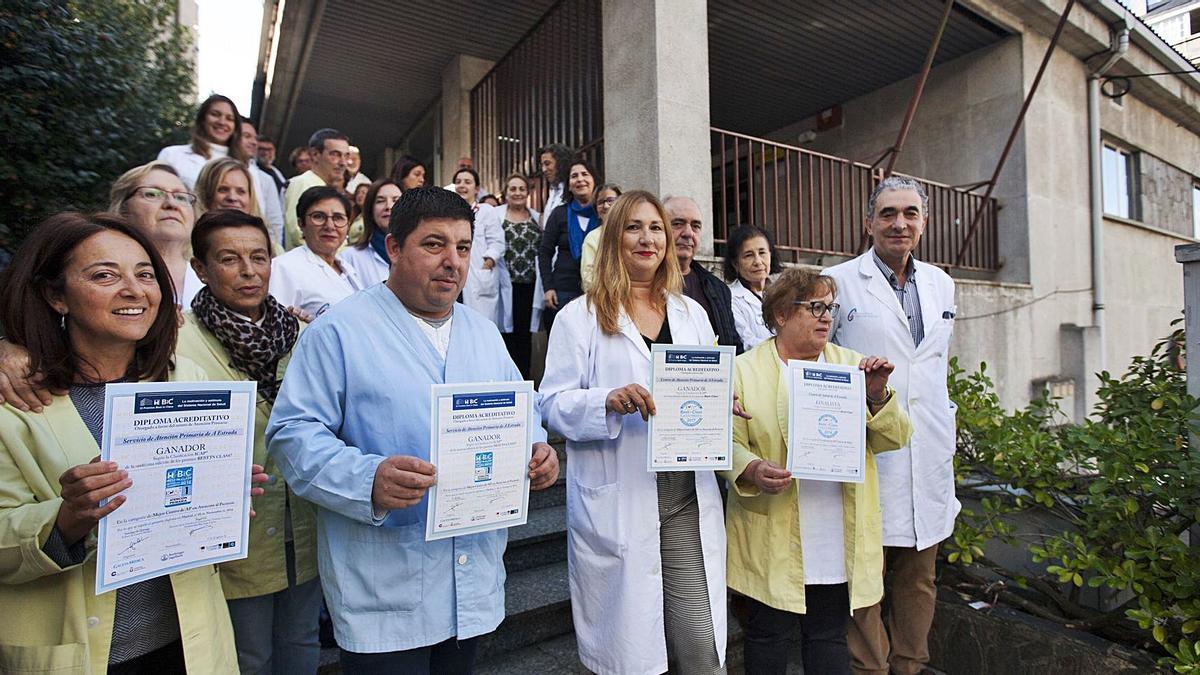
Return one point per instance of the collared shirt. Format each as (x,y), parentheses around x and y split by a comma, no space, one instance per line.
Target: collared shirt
(910,301)
(357,391)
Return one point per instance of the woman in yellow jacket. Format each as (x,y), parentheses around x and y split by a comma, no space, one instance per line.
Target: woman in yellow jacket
(802,552)
(236,331)
(91,300)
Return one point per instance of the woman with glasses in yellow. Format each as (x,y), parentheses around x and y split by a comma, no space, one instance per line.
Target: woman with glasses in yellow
(313,277)
(802,553)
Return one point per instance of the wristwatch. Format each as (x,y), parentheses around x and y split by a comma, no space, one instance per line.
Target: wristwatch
(883,401)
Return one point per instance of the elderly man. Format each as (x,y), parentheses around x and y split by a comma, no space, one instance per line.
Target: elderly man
(698,283)
(350,432)
(329,149)
(896,306)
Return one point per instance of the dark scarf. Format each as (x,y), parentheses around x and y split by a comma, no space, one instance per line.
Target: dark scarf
(253,349)
(379,246)
(575,233)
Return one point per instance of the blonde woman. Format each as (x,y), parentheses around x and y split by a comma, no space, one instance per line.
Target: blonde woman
(226,183)
(606,195)
(646,551)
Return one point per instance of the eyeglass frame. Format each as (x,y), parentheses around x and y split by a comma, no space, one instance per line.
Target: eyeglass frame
(327,218)
(191,198)
(830,308)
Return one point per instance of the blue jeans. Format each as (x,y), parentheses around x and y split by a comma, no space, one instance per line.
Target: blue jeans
(277,633)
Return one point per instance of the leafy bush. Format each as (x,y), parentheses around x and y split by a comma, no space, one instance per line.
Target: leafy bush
(87,90)
(1123,487)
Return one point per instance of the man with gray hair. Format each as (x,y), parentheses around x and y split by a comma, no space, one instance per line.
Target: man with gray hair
(698,283)
(898,307)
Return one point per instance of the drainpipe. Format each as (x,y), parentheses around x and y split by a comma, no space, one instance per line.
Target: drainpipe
(1120,45)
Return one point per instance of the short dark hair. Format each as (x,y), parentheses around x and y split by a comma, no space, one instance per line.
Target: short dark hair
(418,204)
(404,166)
(733,248)
(319,193)
(317,140)
(368,211)
(263,138)
(220,219)
(562,157)
(473,172)
(39,267)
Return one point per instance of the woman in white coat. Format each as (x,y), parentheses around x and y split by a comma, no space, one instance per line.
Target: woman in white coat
(215,133)
(749,262)
(487,273)
(522,234)
(367,255)
(645,551)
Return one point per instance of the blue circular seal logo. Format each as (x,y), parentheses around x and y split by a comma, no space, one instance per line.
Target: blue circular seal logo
(827,426)
(691,413)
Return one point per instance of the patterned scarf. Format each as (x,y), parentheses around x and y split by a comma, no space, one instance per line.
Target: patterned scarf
(253,349)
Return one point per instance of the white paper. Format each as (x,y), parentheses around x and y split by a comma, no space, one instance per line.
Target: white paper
(187,448)
(481,442)
(692,388)
(827,422)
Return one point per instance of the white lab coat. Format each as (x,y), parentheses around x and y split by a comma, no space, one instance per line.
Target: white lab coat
(916,482)
(269,204)
(483,290)
(748,316)
(613,554)
(366,263)
(299,278)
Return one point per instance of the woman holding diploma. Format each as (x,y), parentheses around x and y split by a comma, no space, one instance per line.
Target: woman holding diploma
(802,552)
(236,331)
(646,551)
(91,300)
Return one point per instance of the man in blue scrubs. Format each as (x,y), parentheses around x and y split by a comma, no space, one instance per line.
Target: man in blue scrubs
(351,432)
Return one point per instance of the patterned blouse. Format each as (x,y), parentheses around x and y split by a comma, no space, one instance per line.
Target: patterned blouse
(521,255)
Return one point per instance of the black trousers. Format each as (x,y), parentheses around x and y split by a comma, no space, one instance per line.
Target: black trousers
(822,633)
(520,341)
(450,657)
(167,660)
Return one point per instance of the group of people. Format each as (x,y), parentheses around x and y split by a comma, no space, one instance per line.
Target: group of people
(345,311)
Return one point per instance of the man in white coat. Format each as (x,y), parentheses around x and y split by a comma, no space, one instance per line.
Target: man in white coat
(898,307)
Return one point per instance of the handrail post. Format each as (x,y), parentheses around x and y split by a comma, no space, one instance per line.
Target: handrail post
(918,90)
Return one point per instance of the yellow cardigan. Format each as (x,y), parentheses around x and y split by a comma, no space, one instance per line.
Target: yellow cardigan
(53,621)
(763,530)
(264,569)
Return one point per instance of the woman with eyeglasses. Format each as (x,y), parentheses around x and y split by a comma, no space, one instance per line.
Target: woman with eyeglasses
(749,263)
(802,553)
(522,234)
(367,254)
(215,133)
(606,195)
(314,276)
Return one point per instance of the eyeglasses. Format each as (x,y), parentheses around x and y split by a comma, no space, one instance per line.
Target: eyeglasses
(608,201)
(151,194)
(819,308)
(319,218)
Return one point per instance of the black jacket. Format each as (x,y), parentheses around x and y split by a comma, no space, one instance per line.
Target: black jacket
(564,278)
(720,307)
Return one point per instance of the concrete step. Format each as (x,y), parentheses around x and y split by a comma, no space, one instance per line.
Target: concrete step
(555,495)
(537,608)
(541,541)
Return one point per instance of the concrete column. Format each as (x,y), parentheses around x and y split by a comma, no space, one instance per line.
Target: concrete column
(458,79)
(656,122)
(1189,256)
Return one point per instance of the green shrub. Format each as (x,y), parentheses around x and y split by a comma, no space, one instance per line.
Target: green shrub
(1125,485)
(88,89)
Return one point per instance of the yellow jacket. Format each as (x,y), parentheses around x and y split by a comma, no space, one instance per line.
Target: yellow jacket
(53,621)
(763,530)
(264,569)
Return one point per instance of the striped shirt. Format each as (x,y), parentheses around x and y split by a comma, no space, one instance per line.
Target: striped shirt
(910,301)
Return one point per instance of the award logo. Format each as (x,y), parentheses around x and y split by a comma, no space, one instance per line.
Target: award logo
(691,413)
(827,426)
(179,486)
(483,467)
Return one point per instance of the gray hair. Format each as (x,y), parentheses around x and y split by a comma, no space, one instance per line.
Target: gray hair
(898,183)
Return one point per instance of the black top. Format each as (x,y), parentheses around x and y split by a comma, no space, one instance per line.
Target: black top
(664,335)
(559,274)
(717,301)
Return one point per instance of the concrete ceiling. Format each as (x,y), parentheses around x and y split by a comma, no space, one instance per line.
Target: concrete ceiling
(772,63)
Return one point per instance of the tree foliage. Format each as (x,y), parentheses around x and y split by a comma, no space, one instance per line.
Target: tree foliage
(87,90)
(1123,488)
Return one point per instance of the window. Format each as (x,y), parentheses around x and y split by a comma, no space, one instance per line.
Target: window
(1196,210)
(1119,171)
